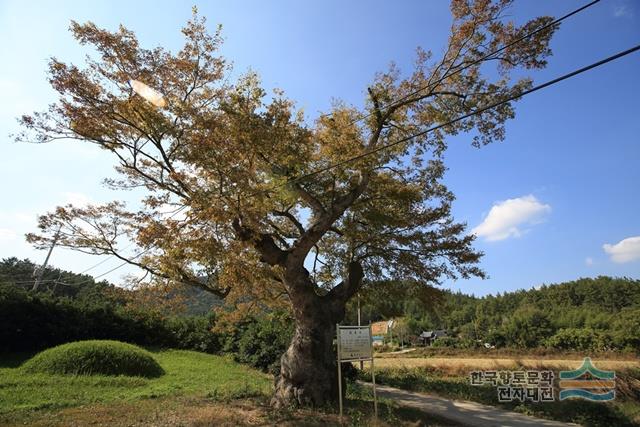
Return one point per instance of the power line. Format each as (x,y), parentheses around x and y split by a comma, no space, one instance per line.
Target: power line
(103,261)
(30,282)
(125,262)
(400,100)
(460,118)
(93,278)
(120,265)
(475,62)
(431,129)
(112,256)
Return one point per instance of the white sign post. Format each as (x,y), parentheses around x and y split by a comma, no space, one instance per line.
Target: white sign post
(355,343)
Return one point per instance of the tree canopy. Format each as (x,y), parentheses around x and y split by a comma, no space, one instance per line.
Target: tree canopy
(265,207)
(227,151)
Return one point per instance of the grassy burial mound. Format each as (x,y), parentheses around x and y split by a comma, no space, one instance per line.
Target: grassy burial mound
(95,358)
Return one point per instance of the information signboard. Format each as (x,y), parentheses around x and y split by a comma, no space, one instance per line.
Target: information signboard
(355,343)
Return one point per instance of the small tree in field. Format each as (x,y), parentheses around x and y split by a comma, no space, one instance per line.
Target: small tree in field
(254,224)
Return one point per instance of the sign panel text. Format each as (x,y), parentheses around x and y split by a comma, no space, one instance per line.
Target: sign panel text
(355,343)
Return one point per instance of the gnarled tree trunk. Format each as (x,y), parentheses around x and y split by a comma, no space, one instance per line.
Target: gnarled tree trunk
(308,370)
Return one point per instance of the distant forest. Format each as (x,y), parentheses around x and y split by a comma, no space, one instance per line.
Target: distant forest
(82,287)
(598,314)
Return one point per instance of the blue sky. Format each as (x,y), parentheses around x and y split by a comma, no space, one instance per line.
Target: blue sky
(544,202)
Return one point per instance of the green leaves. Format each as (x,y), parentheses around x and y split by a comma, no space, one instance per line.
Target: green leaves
(227,152)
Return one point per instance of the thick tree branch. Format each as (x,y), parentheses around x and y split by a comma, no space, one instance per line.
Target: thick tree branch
(292,218)
(325,222)
(315,204)
(262,242)
(188,279)
(347,288)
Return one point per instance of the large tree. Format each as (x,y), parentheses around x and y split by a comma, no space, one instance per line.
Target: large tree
(265,208)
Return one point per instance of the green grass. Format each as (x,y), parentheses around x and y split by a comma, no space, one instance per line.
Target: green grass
(624,411)
(186,373)
(95,357)
(196,389)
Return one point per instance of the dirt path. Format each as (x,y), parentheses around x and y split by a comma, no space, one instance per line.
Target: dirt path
(405,351)
(466,413)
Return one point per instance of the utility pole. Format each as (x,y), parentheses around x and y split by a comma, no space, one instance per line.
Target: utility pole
(358,295)
(40,272)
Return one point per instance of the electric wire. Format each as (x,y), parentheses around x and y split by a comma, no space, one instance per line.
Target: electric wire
(431,129)
(422,133)
(486,56)
(462,117)
(107,259)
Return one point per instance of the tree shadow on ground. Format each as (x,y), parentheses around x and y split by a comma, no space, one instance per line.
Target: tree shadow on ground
(13,360)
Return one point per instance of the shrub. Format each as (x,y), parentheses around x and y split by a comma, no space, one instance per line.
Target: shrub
(579,339)
(263,341)
(528,327)
(31,322)
(194,333)
(95,357)
(445,342)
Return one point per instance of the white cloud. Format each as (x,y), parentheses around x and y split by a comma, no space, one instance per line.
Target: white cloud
(622,11)
(7,234)
(626,250)
(588,261)
(509,218)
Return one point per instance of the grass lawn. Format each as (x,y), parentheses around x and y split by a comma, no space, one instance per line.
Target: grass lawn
(453,382)
(197,390)
(187,373)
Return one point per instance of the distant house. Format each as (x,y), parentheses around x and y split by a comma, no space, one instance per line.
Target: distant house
(379,331)
(429,337)
(381,328)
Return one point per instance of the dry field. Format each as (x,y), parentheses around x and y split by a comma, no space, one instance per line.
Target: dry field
(449,364)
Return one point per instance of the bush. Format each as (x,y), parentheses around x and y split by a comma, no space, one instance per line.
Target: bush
(95,357)
(194,333)
(528,327)
(445,342)
(262,341)
(31,322)
(579,339)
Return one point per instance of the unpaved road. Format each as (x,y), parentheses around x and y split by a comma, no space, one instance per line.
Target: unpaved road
(463,412)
